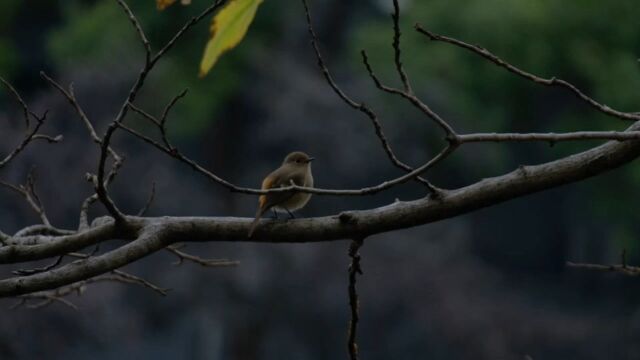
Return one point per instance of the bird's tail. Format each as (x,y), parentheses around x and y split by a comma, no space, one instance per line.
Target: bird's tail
(256,220)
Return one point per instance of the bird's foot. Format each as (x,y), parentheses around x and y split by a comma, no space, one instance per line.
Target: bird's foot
(291,216)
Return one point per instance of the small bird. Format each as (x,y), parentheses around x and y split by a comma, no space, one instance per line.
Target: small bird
(295,168)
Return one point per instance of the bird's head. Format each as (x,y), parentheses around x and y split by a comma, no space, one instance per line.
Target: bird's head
(298,158)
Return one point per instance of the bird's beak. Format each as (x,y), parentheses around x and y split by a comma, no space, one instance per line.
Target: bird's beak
(310,159)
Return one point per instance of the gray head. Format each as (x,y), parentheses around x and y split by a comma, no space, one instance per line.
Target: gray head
(297,158)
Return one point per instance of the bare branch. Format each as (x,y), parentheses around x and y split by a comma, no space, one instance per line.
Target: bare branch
(354,302)
(138,27)
(117,160)
(355,105)
(23,144)
(210,10)
(101,189)
(136,280)
(71,98)
(83,223)
(161,124)
(396,47)
(168,149)
(548,82)
(38,247)
(550,137)
(171,104)
(153,234)
(26,113)
(182,256)
(23,272)
(621,268)
(30,134)
(144,114)
(318,191)
(146,235)
(41,229)
(28,191)
(424,108)
(46,298)
(152,195)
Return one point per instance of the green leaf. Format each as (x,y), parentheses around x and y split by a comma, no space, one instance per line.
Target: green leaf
(227,30)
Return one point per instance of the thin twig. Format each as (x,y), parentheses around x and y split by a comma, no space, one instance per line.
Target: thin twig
(45,298)
(31,134)
(188,25)
(396,47)
(28,191)
(354,302)
(71,98)
(152,195)
(318,191)
(117,160)
(162,123)
(138,27)
(26,113)
(182,256)
(355,105)
(548,82)
(25,272)
(424,108)
(101,189)
(621,268)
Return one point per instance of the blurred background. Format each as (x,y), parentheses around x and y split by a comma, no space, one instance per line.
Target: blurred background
(488,285)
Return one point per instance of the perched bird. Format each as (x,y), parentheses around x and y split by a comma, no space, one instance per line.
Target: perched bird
(295,168)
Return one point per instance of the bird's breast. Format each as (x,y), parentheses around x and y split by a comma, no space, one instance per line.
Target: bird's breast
(298,200)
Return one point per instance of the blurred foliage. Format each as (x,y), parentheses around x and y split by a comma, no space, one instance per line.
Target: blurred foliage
(9,58)
(92,35)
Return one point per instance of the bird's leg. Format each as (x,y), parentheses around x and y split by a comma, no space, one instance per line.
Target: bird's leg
(275,213)
(291,216)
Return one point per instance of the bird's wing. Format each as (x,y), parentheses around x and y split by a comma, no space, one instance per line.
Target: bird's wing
(281,177)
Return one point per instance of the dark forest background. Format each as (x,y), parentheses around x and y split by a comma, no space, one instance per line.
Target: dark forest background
(489,285)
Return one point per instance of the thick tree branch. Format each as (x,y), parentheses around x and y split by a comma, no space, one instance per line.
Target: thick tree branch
(38,247)
(153,234)
(550,137)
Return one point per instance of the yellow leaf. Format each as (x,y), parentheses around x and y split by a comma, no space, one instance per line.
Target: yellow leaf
(228,28)
(163,4)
